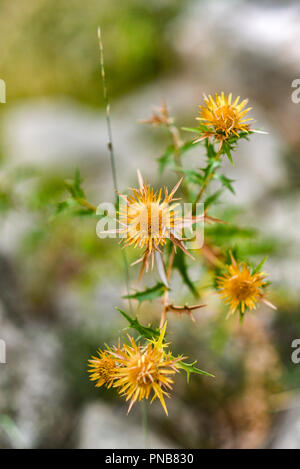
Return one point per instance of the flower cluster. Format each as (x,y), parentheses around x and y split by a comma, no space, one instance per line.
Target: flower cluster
(137,371)
(150,220)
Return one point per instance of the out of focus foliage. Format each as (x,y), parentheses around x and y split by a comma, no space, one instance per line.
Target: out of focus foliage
(50,48)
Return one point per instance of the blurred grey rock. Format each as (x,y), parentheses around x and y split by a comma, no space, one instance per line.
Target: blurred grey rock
(14,225)
(33,389)
(105,426)
(101,303)
(260,26)
(258,170)
(39,398)
(62,135)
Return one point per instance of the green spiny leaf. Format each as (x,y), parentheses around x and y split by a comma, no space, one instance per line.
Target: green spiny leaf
(77,184)
(191,175)
(62,206)
(200,129)
(204,128)
(75,207)
(212,165)
(190,368)
(74,187)
(226,182)
(210,149)
(260,265)
(227,148)
(149,294)
(166,159)
(179,263)
(146,332)
(187,146)
(191,129)
(212,198)
(230,232)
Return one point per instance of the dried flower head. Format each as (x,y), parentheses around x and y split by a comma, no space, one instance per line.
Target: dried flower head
(242,289)
(102,368)
(159,117)
(144,370)
(224,117)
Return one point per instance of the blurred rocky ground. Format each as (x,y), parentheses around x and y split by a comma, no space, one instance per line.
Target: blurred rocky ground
(249,48)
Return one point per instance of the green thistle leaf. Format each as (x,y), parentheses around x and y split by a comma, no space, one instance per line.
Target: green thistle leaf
(191,175)
(227,148)
(210,149)
(166,159)
(74,187)
(200,129)
(146,332)
(149,294)
(179,263)
(191,129)
(260,265)
(226,182)
(190,368)
(211,167)
(230,232)
(63,206)
(212,198)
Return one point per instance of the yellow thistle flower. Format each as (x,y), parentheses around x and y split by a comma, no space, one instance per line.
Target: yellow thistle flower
(224,117)
(147,222)
(144,370)
(241,289)
(102,368)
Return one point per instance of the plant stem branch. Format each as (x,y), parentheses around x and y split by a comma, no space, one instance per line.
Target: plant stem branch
(166,293)
(207,180)
(86,204)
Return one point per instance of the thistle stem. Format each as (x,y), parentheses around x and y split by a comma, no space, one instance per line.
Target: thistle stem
(166,293)
(176,142)
(207,180)
(86,204)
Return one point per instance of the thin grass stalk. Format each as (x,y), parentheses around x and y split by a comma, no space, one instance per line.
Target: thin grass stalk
(111,150)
